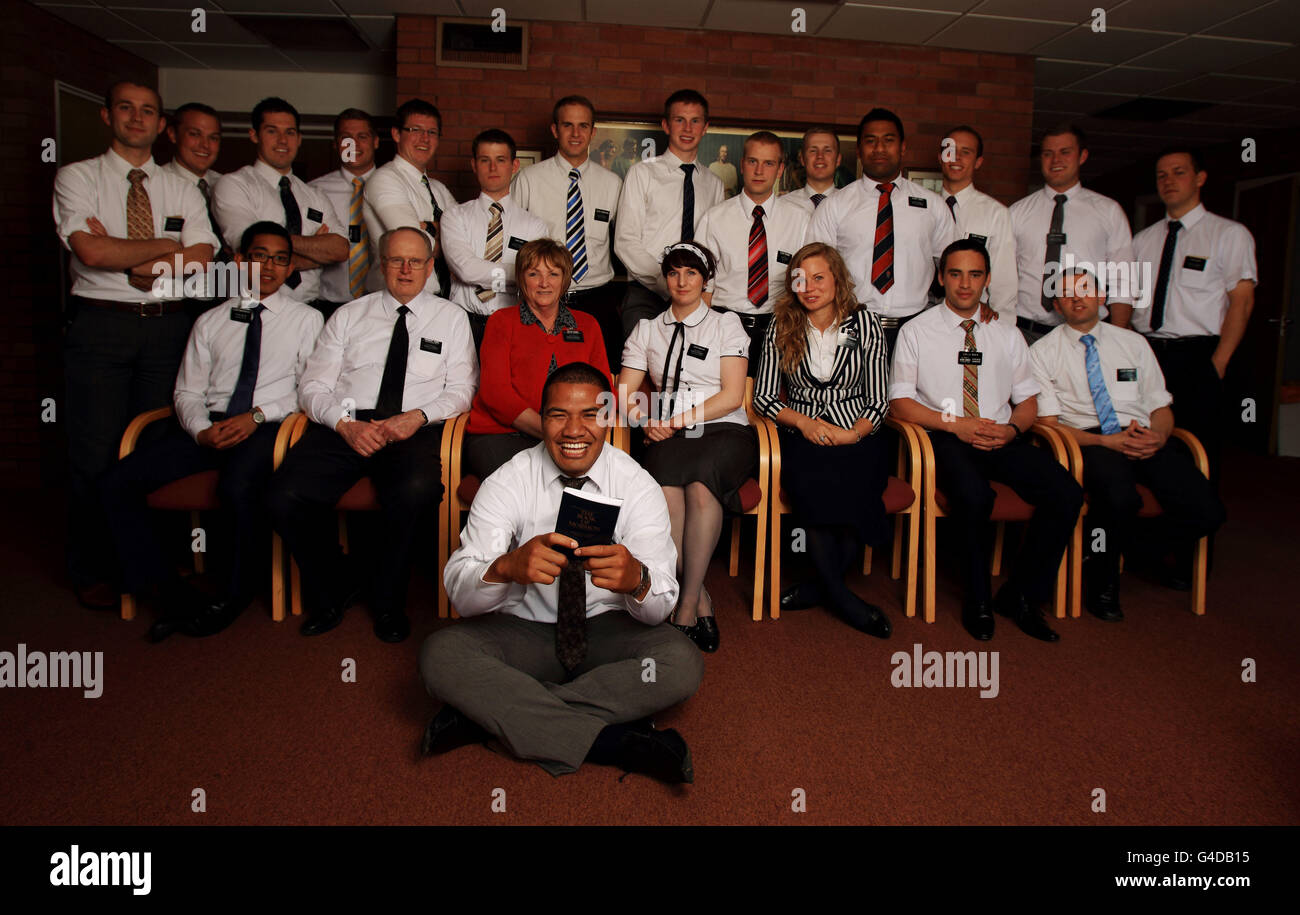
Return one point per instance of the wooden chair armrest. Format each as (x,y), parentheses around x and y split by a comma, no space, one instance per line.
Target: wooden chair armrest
(287,425)
(1072,452)
(1052,439)
(299,427)
(132,434)
(1194,445)
(909,435)
(453,435)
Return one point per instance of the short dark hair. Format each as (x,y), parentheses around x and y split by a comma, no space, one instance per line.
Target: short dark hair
(492,135)
(685,257)
(273,105)
(574,373)
(964,244)
(352,114)
(417,106)
(194,106)
(572,100)
(265,227)
(763,136)
(966,128)
(820,128)
(1198,162)
(686,97)
(1061,130)
(880,114)
(108,94)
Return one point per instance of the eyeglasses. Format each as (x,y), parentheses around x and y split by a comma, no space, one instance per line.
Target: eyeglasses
(261,257)
(415,263)
(418,131)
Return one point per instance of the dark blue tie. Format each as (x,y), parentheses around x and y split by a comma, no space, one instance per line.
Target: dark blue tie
(241,400)
(688,205)
(292,223)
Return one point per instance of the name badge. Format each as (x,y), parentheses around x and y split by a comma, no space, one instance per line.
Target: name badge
(917,202)
(844,338)
(602,216)
(783,257)
(354,234)
(1126,374)
(516,243)
(573,336)
(1194,263)
(242,315)
(315,215)
(173,223)
(982,239)
(430,346)
(1056,238)
(695,351)
(970,357)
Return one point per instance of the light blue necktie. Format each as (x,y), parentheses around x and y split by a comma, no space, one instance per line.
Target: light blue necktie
(575,235)
(1097,387)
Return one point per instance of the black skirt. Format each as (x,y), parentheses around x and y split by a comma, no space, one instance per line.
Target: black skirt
(832,485)
(722,457)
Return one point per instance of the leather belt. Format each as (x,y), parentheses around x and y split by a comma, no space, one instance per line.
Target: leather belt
(1037,327)
(747,320)
(154,308)
(1201,341)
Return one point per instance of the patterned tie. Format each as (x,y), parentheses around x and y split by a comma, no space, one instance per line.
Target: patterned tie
(359,253)
(970,386)
(1053,249)
(292,223)
(882,255)
(1097,386)
(241,399)
(757,260)
(575,233)
(817,200)
(439,262)
(571,618)
(492,250)
(393,384)
(1162,278)
(139,218)
(688,204)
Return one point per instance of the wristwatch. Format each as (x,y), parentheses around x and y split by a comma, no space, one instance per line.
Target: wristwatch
(643,586)
(423,416)
(258,416)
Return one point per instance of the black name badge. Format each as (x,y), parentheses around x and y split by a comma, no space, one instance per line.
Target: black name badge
(173,223)
(242,315)
(1126,374)
(1194,263)
(1056,238)
(970,357)
(315,215)
(783,257)
(516,243)
(917,202)
(430,346)
(695,351)
(354,234)
(573,336)
(602,216)
(982,239)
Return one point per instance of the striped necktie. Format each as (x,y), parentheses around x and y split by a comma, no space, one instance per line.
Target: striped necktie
(817,200)
(1097,386)
(359,253)
(492,250)
(970,387)
(757,260)
(575,234)
(882,254)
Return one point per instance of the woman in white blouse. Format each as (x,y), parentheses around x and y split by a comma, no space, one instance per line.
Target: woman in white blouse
(699,445)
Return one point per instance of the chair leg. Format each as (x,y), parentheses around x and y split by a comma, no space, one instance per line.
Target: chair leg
(913,538)
(735,546)
(896,557)
(774,603)
(866,560)
(1076,570)
(128,606)
(295,587)
(196,521)
(1199,572)
(760,558)
(998,537)
(1062,574)
(930,562)
(277,578)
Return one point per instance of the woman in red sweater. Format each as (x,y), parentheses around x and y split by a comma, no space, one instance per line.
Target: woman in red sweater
(521,347)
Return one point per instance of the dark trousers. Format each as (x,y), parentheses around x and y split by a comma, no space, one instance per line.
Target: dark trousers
(1192,510)
(756,327)
(638,303)
(891,334)
(477,325)
(115,366)
(963,473)
(326,307)
(244,470)
(315,475)
(1197,390)
(602,304)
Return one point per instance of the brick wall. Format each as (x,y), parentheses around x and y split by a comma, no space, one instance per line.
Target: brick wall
(765,80)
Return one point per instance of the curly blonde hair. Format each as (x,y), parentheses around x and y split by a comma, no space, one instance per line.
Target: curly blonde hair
(790,318)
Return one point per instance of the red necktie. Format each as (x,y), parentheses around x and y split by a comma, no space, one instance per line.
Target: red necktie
(882,256)
(757,260)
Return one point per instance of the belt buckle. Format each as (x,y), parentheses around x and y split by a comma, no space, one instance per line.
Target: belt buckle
(146,306)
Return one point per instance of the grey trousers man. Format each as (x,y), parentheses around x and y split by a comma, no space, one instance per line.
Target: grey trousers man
(501,671)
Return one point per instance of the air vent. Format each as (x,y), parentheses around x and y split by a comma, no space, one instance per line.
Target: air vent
(474,43)
(304,33)
(1151,110)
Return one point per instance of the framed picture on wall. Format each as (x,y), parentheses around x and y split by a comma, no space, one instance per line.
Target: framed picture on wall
(528,157)
(930,179)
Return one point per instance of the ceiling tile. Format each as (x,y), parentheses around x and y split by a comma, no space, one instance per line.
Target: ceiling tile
(173,26)
(1284,64)
(164,55)
(315,7)
(1284,94)
(1072,11)
(1218,88)
(1130,81)
(186,5)
(1113,46)
(681,14)
(392,7)
(238,57)
(770,16)
(873,23)
(1176,15)
(1053,74)
(934,6)
(1083,102)
(1200,53)
(380,30)
(570,10)
(1276,22)
(987,33)
(100,22)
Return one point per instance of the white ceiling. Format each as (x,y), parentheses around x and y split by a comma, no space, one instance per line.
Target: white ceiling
(1240,56)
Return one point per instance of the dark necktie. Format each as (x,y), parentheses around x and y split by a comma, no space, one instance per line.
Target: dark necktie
(1052,264)
(292,223)
(882,255)
(393,384)
(241,399)
(817,200)
(952,206)
(757,260)
(936,288)
(222,252)
(670,387)
(688,204)
(1162,278)
(439,262)
(571,618)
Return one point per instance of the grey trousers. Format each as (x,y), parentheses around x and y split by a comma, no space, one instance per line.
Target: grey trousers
(501,671)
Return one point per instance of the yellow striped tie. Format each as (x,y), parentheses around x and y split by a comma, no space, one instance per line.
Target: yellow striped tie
(970,397)
(359,253)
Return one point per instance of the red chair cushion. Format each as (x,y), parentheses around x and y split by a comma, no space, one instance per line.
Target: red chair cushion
(467,490)
(898,496)
(1150,507)
(360,498)
(1007,506)
(197,491)
(750,495)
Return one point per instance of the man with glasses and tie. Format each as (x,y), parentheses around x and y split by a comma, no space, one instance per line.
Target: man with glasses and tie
(238,380)
(664,198)
(403,193)
(355,141)
(387,370)
(269,190)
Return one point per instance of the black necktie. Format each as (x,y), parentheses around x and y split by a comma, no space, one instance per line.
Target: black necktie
(670,388)
(952,206)
(393,384)
(241,399)
(817,200)
(1162,278)
(439,262)
(292,223)
(688,204)
(571,618)
(1053,250)
(222,253)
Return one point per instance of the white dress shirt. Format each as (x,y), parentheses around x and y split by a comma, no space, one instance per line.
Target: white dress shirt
(823,345)
(212,176)
(215,355)
(543,190)
(97,188)
(1096,233)
(803,196)
(522,500)
(709,335)
(1211,256)
(724,230)
(922,229)
(464,237)
(926,368)
(396,197)
(337,186)
(345,369)
(1128,367)
(252,194)
(650,214)
(984,219)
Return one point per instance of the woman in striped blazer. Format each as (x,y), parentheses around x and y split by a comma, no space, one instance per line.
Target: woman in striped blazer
(829,355)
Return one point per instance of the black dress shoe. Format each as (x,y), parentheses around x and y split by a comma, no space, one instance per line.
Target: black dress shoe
(392,626)
(977,617)
(449,730)
(165,627)
(865,617)
(662,755)
(1028,618)
(322,622)
(216,617)
(705,634)
(1103,603)
(98,596)
(801,597)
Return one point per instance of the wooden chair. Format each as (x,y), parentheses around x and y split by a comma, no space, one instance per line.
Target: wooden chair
(1007,506)
(197,493)
(902,499)
(1150,509)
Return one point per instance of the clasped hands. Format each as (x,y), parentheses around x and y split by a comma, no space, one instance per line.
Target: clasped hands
(366,438)
(820,432)
(981,432)
(1135,442)
(611,566)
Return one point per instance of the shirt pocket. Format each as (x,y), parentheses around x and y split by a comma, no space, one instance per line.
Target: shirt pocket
(425,364)
(1206,278)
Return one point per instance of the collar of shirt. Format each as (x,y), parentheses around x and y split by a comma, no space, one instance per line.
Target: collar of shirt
(423,301)
(180,171)
(598,472)
(564,166)
(1188,219)
(483,203)
(1075,336)
(953,320)
(964,196)
(749,203)
(121,168)
(695,317)
(1070,192)
(564,319)
(269,174)
(670,159)
(407,168)
(347,176)
(275,302)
